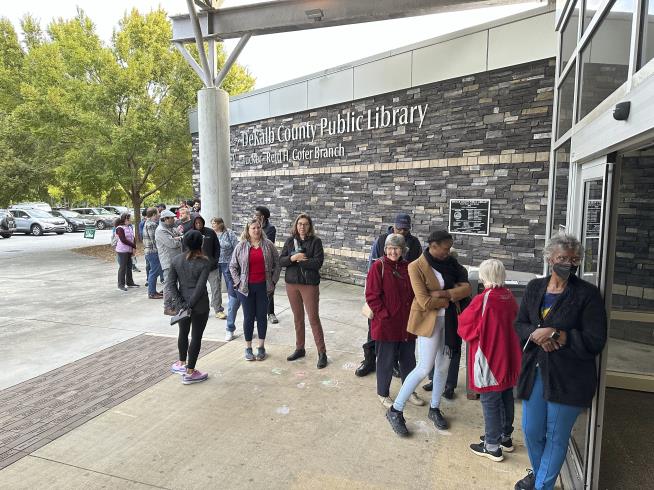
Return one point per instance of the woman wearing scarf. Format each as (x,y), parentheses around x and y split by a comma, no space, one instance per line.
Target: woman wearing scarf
(439,283)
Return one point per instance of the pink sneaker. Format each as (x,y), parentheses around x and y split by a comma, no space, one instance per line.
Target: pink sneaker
(196,377)
(178,368)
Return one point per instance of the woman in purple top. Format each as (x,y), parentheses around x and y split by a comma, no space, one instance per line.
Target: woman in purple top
(125,249)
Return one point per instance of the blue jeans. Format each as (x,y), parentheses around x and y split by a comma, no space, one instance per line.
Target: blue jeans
(154,266)
(498,416)
(255,305)
(547,427)
(233,302)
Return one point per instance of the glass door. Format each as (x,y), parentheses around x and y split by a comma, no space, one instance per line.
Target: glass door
(589,198)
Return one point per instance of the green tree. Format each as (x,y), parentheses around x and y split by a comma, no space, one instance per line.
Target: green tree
(95,119)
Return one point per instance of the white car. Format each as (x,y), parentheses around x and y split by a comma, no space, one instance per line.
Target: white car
(37,222)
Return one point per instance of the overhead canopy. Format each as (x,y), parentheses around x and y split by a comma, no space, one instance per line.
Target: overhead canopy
(294,15)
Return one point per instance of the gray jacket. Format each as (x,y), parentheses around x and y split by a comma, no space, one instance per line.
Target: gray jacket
(167,247)
(187,283)
(239,267)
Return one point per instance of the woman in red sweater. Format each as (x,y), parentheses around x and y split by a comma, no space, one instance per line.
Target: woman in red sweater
(255,271)
(389,295)
(494,357)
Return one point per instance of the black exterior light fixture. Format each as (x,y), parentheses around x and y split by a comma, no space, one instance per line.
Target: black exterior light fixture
(315,14)
(621,111)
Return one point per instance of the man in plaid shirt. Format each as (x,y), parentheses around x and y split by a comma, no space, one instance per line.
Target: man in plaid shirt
(151,254)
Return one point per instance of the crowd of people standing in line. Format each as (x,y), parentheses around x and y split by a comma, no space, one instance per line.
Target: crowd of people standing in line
(545,349)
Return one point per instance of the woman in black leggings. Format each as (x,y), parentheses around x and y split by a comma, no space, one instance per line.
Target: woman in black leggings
(187,286)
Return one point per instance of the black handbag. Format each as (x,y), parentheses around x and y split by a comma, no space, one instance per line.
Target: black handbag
(181,315)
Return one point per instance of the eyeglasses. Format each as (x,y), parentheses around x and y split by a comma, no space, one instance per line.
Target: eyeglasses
(564,259)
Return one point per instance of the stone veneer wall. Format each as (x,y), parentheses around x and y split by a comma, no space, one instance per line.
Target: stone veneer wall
(484,136)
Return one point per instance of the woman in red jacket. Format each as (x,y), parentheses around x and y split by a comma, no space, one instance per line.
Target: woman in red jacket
(389,295)
(493,357)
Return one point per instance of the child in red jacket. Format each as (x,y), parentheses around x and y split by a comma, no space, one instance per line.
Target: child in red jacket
(494,357)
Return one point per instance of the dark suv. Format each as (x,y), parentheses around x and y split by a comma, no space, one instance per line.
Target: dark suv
(7,224)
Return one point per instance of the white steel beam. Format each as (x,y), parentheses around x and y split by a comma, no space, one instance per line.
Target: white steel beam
(294,15)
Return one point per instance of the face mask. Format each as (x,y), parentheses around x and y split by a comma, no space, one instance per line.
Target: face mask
(564,271)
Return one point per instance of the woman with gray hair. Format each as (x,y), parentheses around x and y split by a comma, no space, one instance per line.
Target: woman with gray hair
(493,358)
(562,326)
(389,296)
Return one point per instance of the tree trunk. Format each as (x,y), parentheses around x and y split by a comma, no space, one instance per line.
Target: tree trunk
(136,203)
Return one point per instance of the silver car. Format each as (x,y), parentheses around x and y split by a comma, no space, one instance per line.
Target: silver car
(103,218)
(37,222)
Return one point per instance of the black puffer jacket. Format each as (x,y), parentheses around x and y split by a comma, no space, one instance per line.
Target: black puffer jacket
(569,374)
(307,272)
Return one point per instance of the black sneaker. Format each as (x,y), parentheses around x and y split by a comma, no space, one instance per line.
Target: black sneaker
(448,393)
(297,353)
(365,368)
(481,450)
(397,422)
(506,444)
(436,416)
(527,483)
(428,386)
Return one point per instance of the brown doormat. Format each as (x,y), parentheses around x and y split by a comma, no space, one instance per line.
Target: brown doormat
(37,411)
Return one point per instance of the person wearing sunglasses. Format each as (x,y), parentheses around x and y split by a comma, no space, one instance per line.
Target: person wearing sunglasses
(562,328)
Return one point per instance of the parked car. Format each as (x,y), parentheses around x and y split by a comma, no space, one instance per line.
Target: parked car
(118,210)
(43,206)
(103,218)
(37,222)
(74,221)
(7,224)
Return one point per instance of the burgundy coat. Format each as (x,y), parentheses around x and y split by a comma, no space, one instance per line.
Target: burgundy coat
(389,299)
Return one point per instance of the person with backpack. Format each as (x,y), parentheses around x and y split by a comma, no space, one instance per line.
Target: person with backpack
(439,283)
(389,296)
(494,358)
(402,225)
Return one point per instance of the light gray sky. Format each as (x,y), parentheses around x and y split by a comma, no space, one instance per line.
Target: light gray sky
(278,57)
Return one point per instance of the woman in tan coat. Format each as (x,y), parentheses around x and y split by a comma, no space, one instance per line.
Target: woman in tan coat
(439,283)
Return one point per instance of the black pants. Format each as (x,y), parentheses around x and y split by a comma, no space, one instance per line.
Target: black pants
(370,344)
(197,321)
(271,304)
(453,372)
(125,269)
(386,354)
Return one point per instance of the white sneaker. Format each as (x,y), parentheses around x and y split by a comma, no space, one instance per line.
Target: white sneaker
(416,400)
(229,336)
(387,401)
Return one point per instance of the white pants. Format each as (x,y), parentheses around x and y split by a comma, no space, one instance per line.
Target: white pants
(431,355)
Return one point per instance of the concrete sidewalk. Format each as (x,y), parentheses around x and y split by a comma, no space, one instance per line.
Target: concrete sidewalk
(269,424)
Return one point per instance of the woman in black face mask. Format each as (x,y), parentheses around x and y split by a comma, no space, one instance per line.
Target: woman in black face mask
(562,328)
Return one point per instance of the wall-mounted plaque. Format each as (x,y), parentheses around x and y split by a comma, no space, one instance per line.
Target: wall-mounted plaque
(470,216)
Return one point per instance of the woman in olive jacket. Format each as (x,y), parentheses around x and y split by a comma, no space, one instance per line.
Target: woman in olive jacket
(562,327)
(303,256)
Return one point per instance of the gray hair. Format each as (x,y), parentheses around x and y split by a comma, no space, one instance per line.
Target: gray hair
(492,273)
(564,242)
(395,240)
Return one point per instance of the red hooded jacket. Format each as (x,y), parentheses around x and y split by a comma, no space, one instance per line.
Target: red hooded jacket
(494,353)
(390,300)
